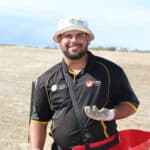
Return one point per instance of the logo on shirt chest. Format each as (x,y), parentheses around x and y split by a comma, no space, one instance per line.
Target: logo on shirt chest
(91,83)
(56,87)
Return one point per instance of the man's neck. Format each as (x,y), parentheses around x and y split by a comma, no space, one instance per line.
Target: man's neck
(76,65)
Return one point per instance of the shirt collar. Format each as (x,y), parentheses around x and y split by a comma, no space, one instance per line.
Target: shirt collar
(64,66)
(91,62)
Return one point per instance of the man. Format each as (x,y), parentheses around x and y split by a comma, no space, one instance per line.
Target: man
(100,87)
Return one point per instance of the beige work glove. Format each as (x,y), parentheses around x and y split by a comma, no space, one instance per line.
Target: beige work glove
(103,114)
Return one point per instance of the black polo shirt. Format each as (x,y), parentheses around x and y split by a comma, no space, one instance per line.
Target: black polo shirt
(101,83)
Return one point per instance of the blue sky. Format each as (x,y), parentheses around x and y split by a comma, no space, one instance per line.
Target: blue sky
(119,23)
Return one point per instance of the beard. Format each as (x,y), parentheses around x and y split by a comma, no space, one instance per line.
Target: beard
(74,57)
(77,56)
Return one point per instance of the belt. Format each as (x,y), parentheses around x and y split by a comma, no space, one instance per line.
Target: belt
(98,144)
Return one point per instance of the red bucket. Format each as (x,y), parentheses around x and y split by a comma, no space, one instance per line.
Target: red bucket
(133,139)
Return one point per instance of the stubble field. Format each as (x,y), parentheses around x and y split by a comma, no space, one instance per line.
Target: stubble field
(19,66)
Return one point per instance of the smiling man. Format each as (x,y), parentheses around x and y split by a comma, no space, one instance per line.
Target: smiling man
(83,95)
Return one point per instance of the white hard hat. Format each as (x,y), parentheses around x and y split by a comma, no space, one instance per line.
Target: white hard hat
(72,23)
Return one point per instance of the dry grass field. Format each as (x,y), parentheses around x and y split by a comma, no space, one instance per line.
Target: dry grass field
(19,66)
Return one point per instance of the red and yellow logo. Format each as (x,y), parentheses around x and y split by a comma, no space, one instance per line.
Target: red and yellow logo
(90,83)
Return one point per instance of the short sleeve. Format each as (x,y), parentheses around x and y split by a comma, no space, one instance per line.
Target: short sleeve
(123,90)
(41,109)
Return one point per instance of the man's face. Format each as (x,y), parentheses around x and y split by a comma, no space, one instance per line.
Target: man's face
(74,44)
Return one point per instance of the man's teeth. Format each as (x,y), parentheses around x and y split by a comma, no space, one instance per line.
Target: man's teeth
(74,46)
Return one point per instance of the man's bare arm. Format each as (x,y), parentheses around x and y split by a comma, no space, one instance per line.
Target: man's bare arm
(124,110)
(37,135)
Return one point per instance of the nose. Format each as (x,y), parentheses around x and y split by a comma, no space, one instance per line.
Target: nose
(74,38)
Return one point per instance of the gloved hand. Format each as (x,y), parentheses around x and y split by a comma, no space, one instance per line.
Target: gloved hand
(103,114)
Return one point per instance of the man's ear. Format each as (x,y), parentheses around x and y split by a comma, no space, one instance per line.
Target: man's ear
(58,39)
(88,38)
(89,42)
